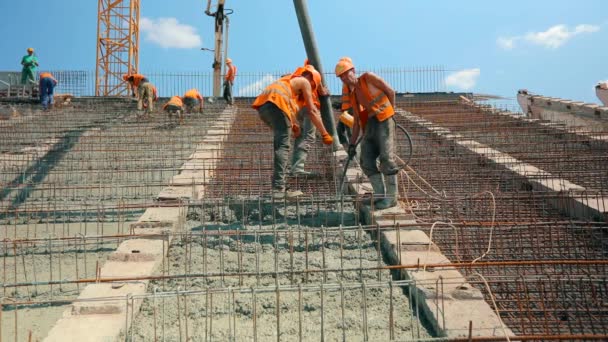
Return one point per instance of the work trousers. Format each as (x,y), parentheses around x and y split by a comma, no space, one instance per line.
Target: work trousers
(145,95)
(276,119)
(46,92)
(228,92)
(379,144)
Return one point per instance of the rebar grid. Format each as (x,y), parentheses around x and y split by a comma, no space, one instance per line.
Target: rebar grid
(101,159)
(577,154)
(481,213)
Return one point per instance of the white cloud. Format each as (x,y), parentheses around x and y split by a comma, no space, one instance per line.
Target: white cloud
(552,38)
(255,88)
(463,79)
(169,33)
(506,43)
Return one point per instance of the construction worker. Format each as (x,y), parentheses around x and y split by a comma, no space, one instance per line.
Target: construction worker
(229,81)
(135,80)
(377,99)
(147,95)
(46,85)
(29,62)
(304,142)
(278,106)
(175,105)
(191,99)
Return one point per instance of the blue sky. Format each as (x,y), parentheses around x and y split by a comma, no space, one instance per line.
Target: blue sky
(555,48)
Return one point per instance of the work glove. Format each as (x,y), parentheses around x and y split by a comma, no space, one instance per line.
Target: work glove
(295,129)
(327,139)
(352,151)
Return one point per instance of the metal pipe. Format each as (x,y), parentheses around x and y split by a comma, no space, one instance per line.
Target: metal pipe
(310,45)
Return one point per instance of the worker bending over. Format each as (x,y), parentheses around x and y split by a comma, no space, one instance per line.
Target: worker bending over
(278,106)
(175,106)
(135,82)
(377,100)
(191,99)
(46,85)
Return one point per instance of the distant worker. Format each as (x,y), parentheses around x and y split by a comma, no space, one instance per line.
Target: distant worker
(46,85)
(175,106)
(191,99)
(147,96)
(229,81)
(277,106)
(375,120)
(135,81)
(304,142)
(29,62)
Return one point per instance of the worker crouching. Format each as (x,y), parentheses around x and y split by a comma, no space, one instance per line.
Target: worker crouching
(175,106)
(278,106)
(372,101)
(193,101)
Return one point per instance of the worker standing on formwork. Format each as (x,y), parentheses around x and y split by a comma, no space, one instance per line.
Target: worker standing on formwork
(29,62)
(175,106)
(278,106)
(229,81)
(191,99)
(343,129)
(304,142)
(46,85)
(377,99)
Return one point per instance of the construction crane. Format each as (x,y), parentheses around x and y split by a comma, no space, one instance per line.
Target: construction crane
(221,35)
(117,45)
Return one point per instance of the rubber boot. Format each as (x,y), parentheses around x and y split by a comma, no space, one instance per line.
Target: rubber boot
(390,200)
(297,164)
(378,186)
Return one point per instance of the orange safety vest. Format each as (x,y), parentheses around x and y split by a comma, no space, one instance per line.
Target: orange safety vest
(174,101)
(381,107)
(281,94)
(345,98)
(193,93)
(231,73)
(137,78)
(45,75)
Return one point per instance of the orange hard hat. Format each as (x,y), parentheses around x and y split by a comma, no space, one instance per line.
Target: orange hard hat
(344,64)
(306,62)
(316,76)
(30,49)
(228,60)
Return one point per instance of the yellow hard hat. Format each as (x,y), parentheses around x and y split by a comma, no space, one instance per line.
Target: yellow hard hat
(228,60)
(30,49)
(344,64)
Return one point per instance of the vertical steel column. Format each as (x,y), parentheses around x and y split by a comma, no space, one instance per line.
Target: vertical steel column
(310,44)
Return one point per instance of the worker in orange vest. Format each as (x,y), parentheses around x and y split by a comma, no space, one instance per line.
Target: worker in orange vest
(191,99)
(373,102)
(46,86)
(278,106)
(135,80)
(304,142)
(175,105)
(229,81)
